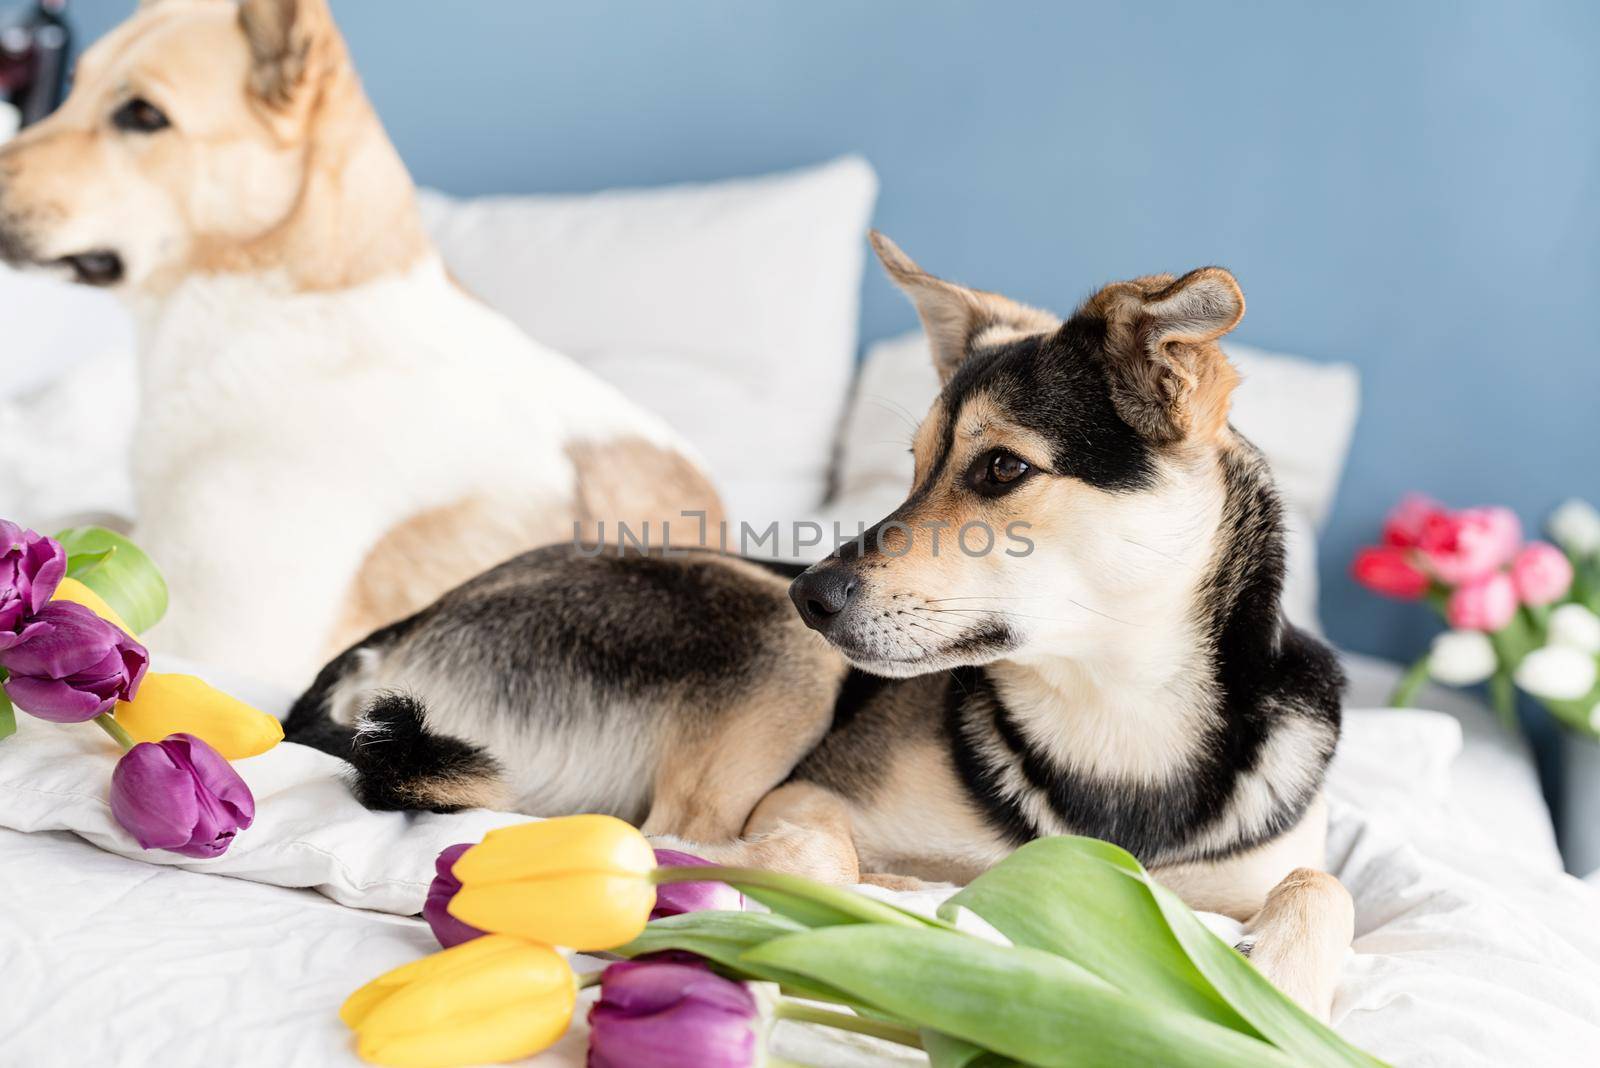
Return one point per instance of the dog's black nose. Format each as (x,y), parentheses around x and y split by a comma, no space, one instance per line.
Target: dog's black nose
(821,594)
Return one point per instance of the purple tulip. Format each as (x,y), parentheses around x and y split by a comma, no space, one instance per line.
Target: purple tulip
(180,794)
(31,567)
(675,899)
(659,1015)
(446,928)
(70,665)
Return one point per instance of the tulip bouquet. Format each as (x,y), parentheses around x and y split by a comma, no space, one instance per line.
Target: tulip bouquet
(1085,960)
(70,607)
(1521,614)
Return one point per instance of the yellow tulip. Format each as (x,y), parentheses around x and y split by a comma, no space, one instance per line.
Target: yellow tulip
(578,881)
(486,1001)
(76,592)
(170,704)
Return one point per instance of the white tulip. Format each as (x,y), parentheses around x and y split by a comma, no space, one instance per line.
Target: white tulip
(1462,657)
(1557,673)
(1576,627)
(1576,527)
(1594,718)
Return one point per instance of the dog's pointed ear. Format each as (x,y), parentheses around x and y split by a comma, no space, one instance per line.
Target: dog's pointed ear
(1169,379)
(955,317)
(285,37)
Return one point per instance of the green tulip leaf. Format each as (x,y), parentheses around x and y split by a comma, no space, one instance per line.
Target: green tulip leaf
(1015,1001)
(8,715)
(813,903)
(820,905)
(723,938)
(946,1052)
(718,936)
(1084,900)
(119,571)
(81,563)
(1270,1011)
(1160,950)
(802,910)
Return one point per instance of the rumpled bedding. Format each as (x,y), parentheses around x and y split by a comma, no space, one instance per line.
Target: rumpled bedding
(1467,952)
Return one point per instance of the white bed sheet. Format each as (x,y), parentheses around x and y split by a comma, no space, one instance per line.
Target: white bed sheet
(1467,952)
(1492,789)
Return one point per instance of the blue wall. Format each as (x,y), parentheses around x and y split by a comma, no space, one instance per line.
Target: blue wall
(1412,187)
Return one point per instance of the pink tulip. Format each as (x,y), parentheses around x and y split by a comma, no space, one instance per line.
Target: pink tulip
(1404,525)
(1485,604)
(1387,570)
(1508,528)
(1460,547)
(1542,573)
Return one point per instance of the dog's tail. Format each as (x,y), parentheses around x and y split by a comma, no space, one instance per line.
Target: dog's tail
(312,721)
(401,764)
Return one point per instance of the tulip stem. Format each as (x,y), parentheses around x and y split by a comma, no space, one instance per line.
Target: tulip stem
(848,1021)
(754,881)
(588,979)
(1410,683)
(1503,696)
(113,728)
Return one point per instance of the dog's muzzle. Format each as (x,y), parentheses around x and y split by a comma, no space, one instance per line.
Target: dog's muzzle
(822,594)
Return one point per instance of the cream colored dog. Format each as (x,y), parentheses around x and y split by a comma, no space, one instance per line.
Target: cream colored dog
(331,433)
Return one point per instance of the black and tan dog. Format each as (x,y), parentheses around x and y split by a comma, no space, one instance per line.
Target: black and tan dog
(1122,671)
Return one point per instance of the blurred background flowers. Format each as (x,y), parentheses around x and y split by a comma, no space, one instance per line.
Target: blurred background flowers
(1523,614)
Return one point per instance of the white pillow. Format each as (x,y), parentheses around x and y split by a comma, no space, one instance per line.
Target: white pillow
(729,308)
(1300,414)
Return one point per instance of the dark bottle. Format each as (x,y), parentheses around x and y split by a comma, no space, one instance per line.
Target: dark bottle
(35,42)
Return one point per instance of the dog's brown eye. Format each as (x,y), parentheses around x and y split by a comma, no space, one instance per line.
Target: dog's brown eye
(999,472)
(139,116)
(1007,468)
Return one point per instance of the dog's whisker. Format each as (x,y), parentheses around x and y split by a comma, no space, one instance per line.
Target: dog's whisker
(1001,612)
(921,649)
(1006,613)
(1024,615)
(942,635)
(1149,548)
(964,611)
(1103,615)
(899,411)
